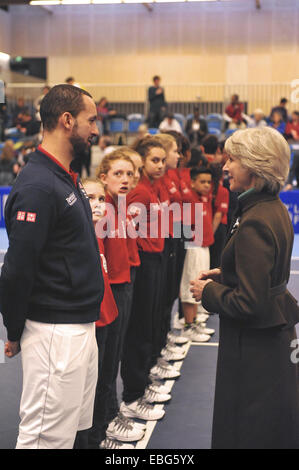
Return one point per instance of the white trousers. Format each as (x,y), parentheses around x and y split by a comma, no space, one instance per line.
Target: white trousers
(197,259)
(60,368)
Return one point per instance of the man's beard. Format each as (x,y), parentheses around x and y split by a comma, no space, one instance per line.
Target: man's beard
(79,145)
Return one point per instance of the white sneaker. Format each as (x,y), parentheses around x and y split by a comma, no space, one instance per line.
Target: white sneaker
(194,336)
(169,355)
(178,339)
(154,397)
(204,330)
(178,323)
(157,386)
(141,409)
(113,444)
(133,423)
(120,429)
(165,372)
(202,317)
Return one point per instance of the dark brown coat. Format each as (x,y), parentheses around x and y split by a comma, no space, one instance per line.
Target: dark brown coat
(257,394)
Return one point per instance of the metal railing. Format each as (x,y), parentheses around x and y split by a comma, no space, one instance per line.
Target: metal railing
(211,97)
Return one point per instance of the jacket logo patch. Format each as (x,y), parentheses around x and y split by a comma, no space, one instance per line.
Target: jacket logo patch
(21,216)
(31,217)
(71,199)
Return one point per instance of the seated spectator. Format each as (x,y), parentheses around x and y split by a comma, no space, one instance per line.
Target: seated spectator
(170,124)
(3,112)
(234,113)
(19,108)
(292,128)
(38,101)
(281,108)
(71,81)
(8,164)
(142,131)
(196,128)
(27,125)
(277,122)
(257,120)
(105,112)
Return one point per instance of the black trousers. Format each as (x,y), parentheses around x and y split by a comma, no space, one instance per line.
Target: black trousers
(123,298)
(109,339)
(217,247)
(144,320)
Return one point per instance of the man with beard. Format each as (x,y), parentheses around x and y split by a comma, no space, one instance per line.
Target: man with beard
(51,284)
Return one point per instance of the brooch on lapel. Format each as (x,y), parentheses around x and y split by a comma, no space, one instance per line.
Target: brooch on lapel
(235,226)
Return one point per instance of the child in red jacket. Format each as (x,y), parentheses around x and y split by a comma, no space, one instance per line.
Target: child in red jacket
(197,255)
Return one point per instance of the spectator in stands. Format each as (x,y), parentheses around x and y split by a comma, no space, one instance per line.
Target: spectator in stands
(8,164)
(19,108)
(105,145)
(142,131)
(38,101)
(106,112)
(157,103)
(3,111)
(234,113)
(196,128)
(169,123)
(27,125)
(277,122)
(71,81)
(292,127)
(257,120)
(282,109)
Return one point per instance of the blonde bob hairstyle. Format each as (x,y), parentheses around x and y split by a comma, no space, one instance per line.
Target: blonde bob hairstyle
(265,153)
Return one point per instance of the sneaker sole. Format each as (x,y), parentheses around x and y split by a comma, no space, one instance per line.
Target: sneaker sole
(124,439)
(133,414)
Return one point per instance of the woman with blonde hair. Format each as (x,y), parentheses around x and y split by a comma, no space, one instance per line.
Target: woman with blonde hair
(256,399)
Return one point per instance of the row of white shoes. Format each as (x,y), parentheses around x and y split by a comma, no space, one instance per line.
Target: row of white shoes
(124,429)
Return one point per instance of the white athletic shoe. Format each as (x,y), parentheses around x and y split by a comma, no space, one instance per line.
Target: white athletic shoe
(157,386)
(163,370)
(141,409)
(113,444)
(202,329)
(202,317)
(178,323)
(154,397)
(177,339)
(120,429)
(173,353)
(194,336)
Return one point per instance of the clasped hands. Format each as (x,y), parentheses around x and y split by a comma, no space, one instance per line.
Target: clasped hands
(203,279)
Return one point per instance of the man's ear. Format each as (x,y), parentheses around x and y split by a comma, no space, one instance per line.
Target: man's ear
(67,120)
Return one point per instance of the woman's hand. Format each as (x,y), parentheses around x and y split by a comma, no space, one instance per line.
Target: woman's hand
(213,274)
(197,287)
(12,348)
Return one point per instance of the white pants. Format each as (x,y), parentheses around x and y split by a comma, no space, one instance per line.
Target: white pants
(197,259)
(60,368)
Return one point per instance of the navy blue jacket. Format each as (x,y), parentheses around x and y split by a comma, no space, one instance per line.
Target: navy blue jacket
(52,269)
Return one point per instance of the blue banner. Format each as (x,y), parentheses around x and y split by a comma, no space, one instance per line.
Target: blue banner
(4,192)
(291,201)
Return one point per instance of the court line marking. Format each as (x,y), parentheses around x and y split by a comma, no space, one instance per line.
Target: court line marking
(215,345)
(294,272)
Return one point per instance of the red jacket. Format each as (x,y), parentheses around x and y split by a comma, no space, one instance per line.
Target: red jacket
(115,243)
(145,194)
(109,310)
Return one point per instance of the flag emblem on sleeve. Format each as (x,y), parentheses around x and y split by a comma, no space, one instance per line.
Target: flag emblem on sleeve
(21,215)
(31,216)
